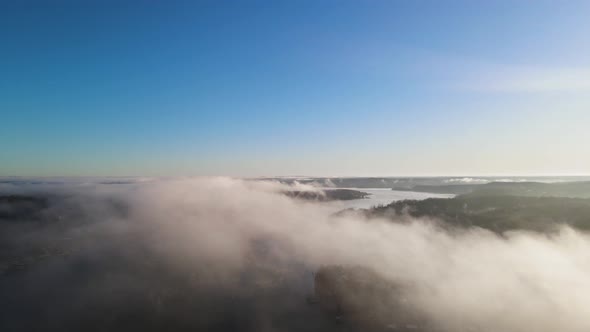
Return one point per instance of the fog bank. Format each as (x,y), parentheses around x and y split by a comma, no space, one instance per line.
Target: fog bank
(251,251)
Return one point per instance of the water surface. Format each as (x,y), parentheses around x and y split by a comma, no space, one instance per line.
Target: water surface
(382,196)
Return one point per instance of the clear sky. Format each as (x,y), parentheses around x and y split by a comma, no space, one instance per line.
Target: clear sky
(294,87)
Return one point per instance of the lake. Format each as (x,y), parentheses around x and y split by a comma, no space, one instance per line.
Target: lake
(382,196)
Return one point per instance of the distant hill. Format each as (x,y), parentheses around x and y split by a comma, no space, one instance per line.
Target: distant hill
(535,189)
(497,213)
(411,183)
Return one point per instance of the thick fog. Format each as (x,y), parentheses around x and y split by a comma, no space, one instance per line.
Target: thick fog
(241,248)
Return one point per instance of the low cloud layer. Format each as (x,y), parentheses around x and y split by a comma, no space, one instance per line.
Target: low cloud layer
(251,251)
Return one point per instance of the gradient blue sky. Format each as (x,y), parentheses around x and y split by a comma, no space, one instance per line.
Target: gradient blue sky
(294,87)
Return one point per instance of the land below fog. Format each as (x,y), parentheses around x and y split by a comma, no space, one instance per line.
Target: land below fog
(77,260)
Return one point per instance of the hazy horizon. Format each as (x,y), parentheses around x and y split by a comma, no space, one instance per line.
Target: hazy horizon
(288,176)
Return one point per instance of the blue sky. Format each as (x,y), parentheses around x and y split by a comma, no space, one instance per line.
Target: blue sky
(294,87)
